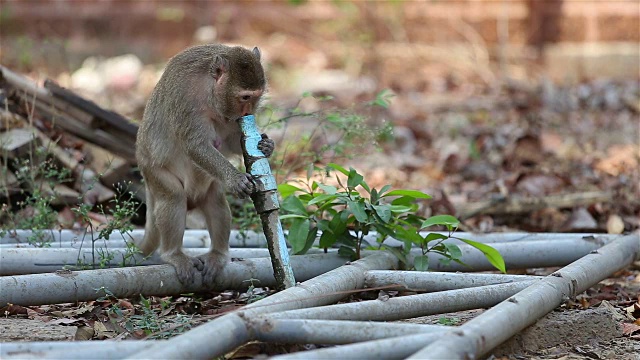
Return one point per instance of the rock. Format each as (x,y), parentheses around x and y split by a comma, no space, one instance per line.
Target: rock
(566,327)
(12,329)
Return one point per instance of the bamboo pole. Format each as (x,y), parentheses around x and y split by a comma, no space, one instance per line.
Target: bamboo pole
(231,330)
(296,331)
(517,255)
(478,336)
(253,239)
(405,307)
(22,261)
(437,281)
(72,286)
(397,347)
(74,350)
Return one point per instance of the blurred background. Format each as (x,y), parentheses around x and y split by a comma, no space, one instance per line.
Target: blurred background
(474,102)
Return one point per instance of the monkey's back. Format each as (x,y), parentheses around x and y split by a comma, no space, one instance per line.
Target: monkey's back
(180,94)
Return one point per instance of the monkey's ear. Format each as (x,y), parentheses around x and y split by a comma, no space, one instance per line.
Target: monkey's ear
(256,52)
(219,67)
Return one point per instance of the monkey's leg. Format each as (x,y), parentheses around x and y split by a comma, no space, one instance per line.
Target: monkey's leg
(151,235)
(218,217)
(170,213)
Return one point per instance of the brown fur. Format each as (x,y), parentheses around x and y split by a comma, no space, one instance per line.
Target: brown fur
(188,127)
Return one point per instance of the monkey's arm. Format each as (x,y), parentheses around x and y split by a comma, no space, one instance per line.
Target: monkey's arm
(200,149)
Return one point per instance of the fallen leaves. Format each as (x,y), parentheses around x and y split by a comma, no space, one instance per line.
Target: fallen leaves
(621,159)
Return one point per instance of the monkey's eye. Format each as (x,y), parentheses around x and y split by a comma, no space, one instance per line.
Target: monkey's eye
(246,98)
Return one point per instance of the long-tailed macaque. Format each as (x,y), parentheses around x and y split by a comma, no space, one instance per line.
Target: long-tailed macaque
(188,127)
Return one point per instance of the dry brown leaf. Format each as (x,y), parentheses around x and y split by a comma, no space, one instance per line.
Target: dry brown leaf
(539,184)
(84,333)
(629,329)
(620,159)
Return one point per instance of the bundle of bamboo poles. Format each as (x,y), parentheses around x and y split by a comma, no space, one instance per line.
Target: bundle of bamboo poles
(52,124)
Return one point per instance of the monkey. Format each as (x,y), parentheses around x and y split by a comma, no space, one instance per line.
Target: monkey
(189,128)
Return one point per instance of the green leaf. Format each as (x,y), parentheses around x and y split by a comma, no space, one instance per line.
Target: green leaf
(434,236)
(413,193)
(311,237)
(374,196)
(339,168)
(337,225)
(287,189)
(490,253)
(323,198)
(384,211)
(397,252)
(447,220)
(323,225)
(384,230)
(328,189)
(327,239)
(358,211)
(404,200)
(398,209)
(453,250)
(347,252)
(298,233)
(293,216)
(354,179)
(293,205)
(421,263)
(409,234)
(384,189)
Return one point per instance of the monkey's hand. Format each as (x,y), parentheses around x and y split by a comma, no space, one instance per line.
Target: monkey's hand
(241,185)
(266,145)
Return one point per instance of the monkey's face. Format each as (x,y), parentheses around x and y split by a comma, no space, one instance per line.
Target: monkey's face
(240,83)
(241,102)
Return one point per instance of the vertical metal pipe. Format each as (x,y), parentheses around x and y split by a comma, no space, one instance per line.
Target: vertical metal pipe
(266,202)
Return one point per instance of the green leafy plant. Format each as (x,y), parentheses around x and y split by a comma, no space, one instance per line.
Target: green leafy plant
(345,214)
(436,243)
(40,182)
(150,317)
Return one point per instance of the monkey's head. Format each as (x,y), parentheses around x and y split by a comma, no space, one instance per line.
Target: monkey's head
(239,82)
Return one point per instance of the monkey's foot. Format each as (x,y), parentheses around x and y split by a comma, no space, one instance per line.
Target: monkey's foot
(213,262)
(186,266)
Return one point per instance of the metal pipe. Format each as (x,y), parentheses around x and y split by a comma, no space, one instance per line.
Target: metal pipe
(265,200)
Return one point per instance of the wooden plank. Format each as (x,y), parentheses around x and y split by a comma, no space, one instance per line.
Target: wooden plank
(18,142)
(110,117)
(8,182)
(110,167)
(62,194)
(30,91)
